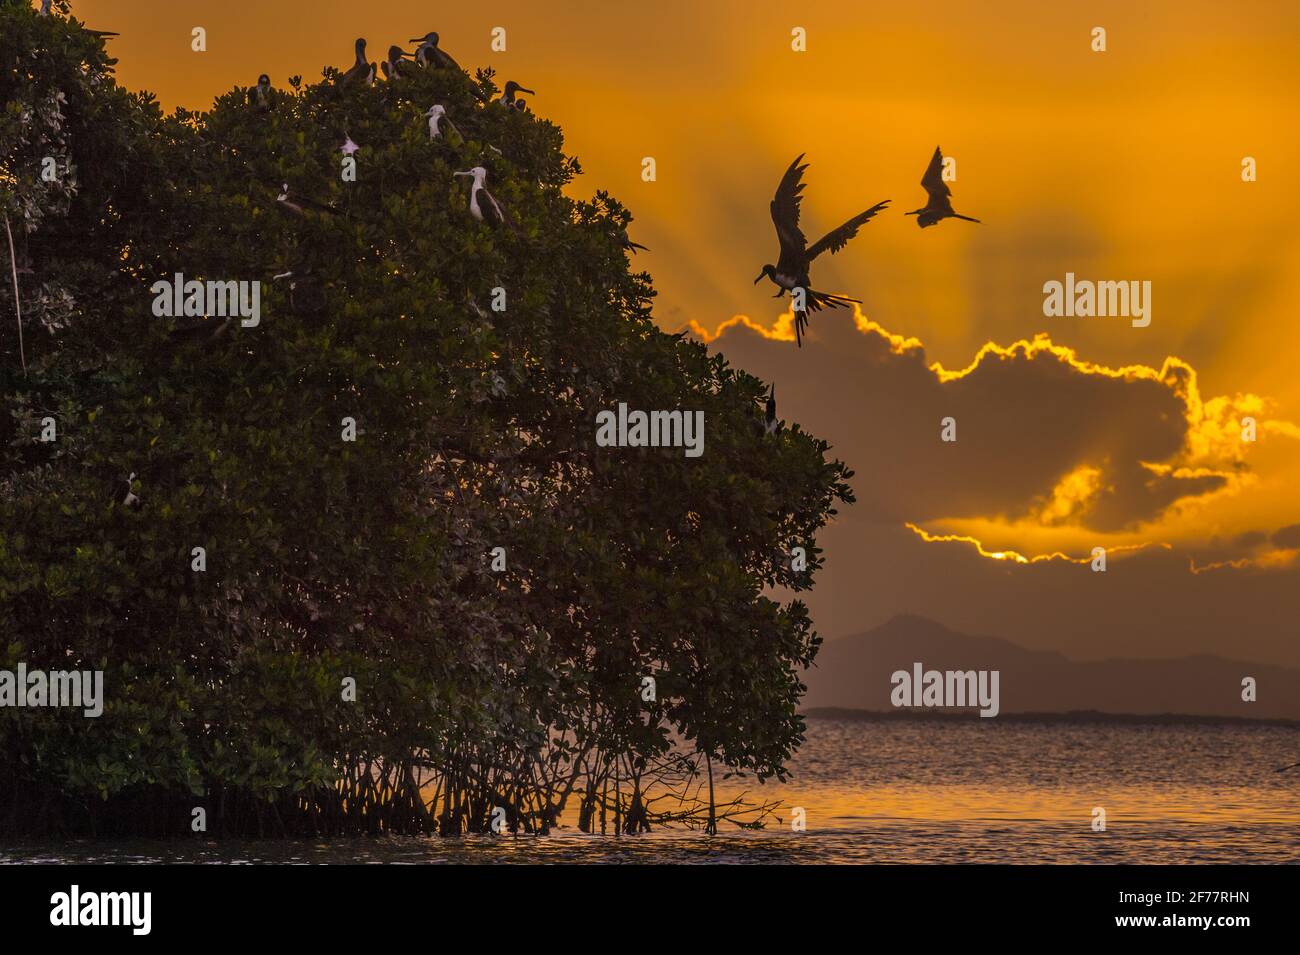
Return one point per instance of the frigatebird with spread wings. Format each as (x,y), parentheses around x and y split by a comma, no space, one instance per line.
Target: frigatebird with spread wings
(791,270)
(940,205)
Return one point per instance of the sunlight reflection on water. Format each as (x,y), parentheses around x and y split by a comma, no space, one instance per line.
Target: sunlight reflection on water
(906,790)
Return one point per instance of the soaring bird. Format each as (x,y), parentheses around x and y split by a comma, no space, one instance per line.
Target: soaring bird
(509,99)
(791,269)
(360,70)
(260,95)
(940,205)
(437,116)
(428,53)
(482,205)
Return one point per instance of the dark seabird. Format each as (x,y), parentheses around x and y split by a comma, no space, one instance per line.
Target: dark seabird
(940,205)
(131,500)
(437,116)
(299,205)
(306,297)
(508,98)
(360,69)
(791,269)
(482,205)
(392,67)
(627,245)
(428,53)
(769,415)
(200,333)
(260,95)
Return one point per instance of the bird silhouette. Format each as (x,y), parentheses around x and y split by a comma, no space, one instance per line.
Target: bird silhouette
(509,98)
(360,70)
(260,95)
(791,269)
(769,414)
(940,205)
(392,67)
(428,53)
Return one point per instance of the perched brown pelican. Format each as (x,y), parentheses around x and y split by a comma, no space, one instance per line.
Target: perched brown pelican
(482,205)
(428,53)
(791,269)
(359,71)
(940,205)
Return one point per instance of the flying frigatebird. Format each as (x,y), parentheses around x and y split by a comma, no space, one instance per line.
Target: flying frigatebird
(428,53)
(360,70)
(482,205)
(940,205)
(791,269)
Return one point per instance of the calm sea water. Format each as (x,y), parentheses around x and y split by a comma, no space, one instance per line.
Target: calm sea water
(915,791)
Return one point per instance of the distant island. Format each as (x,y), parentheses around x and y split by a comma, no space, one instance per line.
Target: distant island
(852,676)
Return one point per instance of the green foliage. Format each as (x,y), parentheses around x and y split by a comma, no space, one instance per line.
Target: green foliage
(370,560)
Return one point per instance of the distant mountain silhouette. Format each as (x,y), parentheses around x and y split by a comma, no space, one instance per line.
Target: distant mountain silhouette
(854,672)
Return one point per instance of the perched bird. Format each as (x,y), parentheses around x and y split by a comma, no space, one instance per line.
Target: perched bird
(521,104)
(370,76)
(769,416)
(626,244)
(131,500)
(940,205)
(200,333)
(260,95)
(509,98)
(360,70)
(392,67)
(299,205)
(791,269)
(306,297)
(438,115)
(428,53)
(482,205)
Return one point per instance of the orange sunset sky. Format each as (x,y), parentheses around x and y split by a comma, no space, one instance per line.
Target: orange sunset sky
(1072,432)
